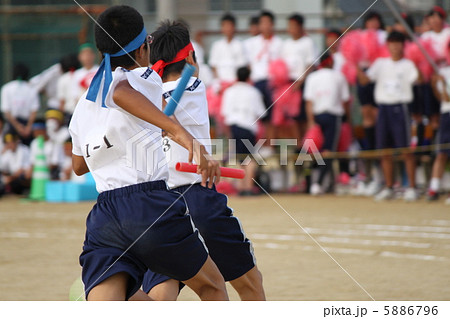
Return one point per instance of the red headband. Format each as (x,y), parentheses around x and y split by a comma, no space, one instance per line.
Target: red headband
(326,61)
(181,55)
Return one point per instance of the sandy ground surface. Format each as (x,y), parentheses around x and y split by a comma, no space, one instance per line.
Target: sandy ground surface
(356,249)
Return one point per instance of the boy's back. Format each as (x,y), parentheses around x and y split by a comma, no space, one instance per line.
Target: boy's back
(328,90)
(192,113)
(114,143)
(242,105)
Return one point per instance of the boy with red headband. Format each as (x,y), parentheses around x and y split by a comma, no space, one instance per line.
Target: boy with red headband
(222,232)
(137,223)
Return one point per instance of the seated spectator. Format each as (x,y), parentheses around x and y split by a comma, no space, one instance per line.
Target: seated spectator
(242,105)
(15,165)
(327,98)
(53,151)
(19,104)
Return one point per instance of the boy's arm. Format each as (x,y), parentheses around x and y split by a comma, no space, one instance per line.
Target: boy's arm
(79,165)
(310,114)
(138,105)
(438,85)
(362,77)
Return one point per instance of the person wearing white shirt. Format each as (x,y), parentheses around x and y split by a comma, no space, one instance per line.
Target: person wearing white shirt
(261,50)
(327,98)
(299,53)
(116,133)
(46,82)
(242,106)
(439,35)
(222,232)
(332,42)
(84,75)
(14,165)
(227,54)
(394,79)
(67,86)
(20,103)
(441,86)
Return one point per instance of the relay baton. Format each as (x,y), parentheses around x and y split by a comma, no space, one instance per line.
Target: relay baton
(188,71)
(224,171)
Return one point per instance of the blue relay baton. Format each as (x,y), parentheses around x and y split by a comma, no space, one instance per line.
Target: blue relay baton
(188,71)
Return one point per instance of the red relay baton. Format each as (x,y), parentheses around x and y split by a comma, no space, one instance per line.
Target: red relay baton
(224,171)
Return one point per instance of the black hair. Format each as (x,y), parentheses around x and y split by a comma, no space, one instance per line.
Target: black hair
(297,18)
(69,62)
(337,32)
(396,36)
(374,15)
(21,72)
(228,17)
(325,57)
(116,27)
(409,20)
(253,20)
(168,40)
(243,74)
(266,13)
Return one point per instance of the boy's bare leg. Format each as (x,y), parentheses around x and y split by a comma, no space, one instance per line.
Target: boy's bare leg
(249,286)
(112,289)
(388,170)
(410,162)
(140,295)
(439,165)
(165,291)
(208,283)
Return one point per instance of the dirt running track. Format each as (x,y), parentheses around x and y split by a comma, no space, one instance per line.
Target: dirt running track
(395,251)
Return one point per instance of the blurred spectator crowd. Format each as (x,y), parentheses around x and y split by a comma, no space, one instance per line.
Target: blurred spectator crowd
(373,89)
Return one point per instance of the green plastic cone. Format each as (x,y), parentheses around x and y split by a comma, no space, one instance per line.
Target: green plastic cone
(40,173)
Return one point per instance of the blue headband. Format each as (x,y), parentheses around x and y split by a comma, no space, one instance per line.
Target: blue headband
(105,69)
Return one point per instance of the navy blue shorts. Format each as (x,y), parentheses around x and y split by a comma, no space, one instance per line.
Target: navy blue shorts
(239,134)
(140,227)
(393,128)
(228,246)
(366,94)
(432,105)
(331,129)
(444,133)
(263,87)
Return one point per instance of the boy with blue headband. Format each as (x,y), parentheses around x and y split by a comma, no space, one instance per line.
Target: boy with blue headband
(137,223)
(227,243)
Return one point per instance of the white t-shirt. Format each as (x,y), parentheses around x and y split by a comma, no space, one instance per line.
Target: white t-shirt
(393,80)
(439,41)
(242,105)
(227,58)
(192,113)
(119,148)
(299,55)
(68,91)
(20,99)
(328,90)
(52,152)
(83,78)
(260,52)
(47,81)
(11,162)
(445,72)
(338,61)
